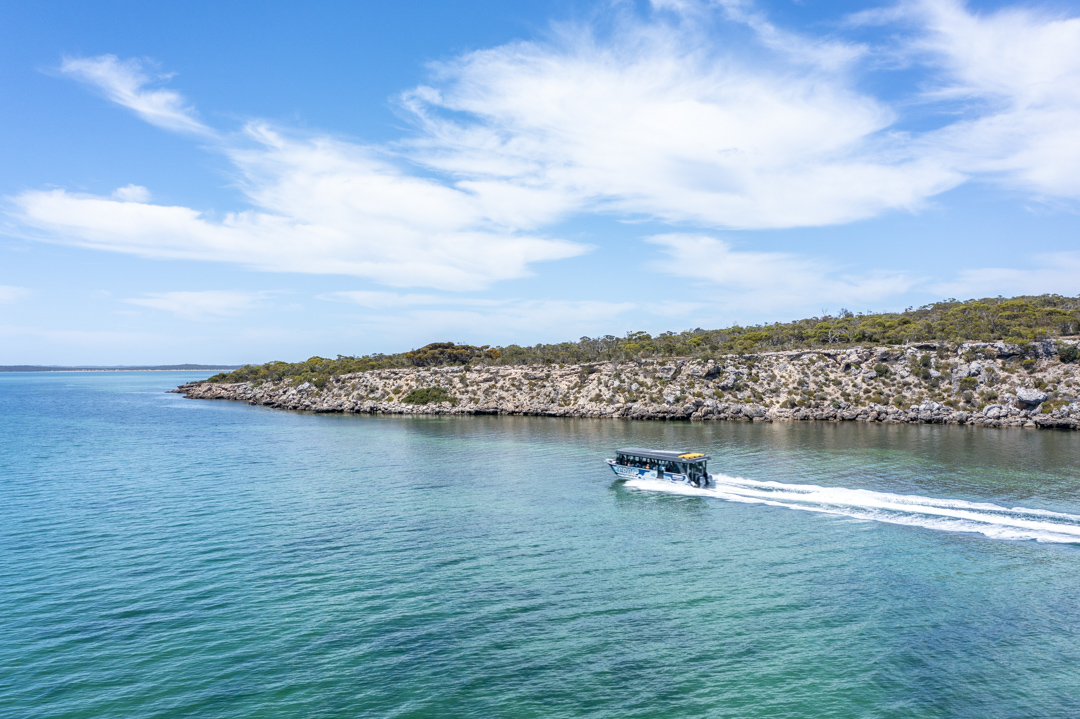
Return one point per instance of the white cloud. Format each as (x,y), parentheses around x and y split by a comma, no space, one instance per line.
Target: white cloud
(325,207)
(202,305)
(757,284)
(1018,70)
(381,300)
(68,338)
(126,82)
(656,119)
(674,308)
(1018,54)
(655,122)
(1057,273)
(132,193)
(511,320)
(10,293)
(833,55)
(514,312)
(421,317)
(764,281)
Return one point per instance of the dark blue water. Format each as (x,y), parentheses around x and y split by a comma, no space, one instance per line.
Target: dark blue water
(163,557)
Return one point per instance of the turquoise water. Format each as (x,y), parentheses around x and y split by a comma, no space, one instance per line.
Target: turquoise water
(163,557)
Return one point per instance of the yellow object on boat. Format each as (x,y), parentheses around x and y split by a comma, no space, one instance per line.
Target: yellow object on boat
(691,455)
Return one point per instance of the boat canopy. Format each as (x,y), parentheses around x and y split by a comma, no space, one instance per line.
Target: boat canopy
(661,455)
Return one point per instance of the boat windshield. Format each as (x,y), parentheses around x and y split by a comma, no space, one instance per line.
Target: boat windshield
(691,464)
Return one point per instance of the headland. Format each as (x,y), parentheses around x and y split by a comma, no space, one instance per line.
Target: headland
(994,384)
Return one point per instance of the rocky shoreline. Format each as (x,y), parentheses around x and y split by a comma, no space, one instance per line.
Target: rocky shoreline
(977,383)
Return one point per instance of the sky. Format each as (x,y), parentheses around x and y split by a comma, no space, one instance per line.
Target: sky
(250,181)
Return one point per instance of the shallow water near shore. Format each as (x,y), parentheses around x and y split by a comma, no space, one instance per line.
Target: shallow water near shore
(170,557)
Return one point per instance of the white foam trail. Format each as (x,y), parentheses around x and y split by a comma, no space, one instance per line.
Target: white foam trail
(951,515)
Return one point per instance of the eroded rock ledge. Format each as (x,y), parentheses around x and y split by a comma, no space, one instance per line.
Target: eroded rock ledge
(990,384)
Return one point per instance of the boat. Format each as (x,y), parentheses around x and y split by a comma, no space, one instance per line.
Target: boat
(639,463)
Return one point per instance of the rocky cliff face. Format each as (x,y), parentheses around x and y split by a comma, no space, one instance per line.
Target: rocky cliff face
(992,384)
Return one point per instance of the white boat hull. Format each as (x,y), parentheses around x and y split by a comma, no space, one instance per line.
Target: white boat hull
(625,472)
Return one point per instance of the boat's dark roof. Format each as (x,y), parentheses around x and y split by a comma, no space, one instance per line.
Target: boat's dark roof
(661,454)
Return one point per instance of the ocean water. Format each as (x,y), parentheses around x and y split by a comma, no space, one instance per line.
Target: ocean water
(163,557)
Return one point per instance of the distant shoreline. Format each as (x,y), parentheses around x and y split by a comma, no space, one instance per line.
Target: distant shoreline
(157,368)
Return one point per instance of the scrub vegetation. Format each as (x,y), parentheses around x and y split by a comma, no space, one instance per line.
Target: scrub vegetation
(1018,320)
(428,395)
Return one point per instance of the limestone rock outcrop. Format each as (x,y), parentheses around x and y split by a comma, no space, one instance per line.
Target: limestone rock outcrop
(1030,397)
(989,384)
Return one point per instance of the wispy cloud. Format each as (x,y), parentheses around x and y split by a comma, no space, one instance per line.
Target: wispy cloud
(381,300)
(490,320)
(654,119)
(768,281)
(323,206)
(505,321)
(81,338)
(132,193)
(1018,68)
(385,300)
(756,285)
(201,305)
(10,293)
(1058,272)
(829,53)
(524,317)
(128,83)
(1006,84)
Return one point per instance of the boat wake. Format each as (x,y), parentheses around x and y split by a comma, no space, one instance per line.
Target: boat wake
(950,515)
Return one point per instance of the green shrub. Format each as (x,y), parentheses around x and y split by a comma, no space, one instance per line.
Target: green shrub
(881,369)
(444,353)
(1068,352)
(969,383)
(1048,407)
(429,395)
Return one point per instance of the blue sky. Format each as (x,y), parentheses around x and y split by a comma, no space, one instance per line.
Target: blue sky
(241,182)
